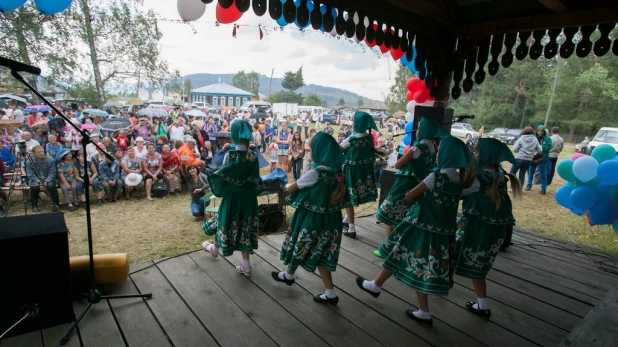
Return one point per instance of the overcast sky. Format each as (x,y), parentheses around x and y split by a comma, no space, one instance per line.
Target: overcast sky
(325,60)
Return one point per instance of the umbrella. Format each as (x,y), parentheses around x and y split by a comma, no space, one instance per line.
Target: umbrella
(37,108)
(153,112)
(9,123)
(134,102)
(87,126)
(196,113)
(114,124)
(12,97)
(96,112)
(258,115)
(113,104)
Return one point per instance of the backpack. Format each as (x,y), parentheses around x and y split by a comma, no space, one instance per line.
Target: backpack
(159,189)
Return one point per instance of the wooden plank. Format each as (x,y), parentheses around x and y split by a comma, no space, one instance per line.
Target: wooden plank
(265,311)
(98,327)
(327,323)
(389,306)
(138,325)
(32,339)
(518,322)
(180,324)
(226,321)
(600,327)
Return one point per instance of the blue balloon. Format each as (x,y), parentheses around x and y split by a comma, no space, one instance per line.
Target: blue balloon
(608,172)
(577,212)
(409,127)
(298,4)
(310,5)
(52,6)
(585,168)
(603,214)
(281,21)
(615,226)
(583,198)
(404,60)
(11,5)
(603,193)
(563,196)
(323,9)
(407,139)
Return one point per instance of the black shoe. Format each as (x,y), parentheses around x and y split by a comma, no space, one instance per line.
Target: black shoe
(35,209)
(528,188)
(275,275)
(332,301)
(359,283)
(56,208)
(481,313)
(349,234)
(543,192)
(425,322)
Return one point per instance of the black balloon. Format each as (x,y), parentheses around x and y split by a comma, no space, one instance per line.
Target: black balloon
(379,34)
(340,23)
(259,7)
(289,11)
(350,27)
(226,3)
(302,13)
(243,5)
(316,17)
(275,9)
(360,31)
(207,1)
(328,20)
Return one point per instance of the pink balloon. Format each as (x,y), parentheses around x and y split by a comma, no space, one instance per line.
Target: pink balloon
(576,156)
(590,222)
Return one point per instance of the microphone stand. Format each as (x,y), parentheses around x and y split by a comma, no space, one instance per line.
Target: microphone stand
(94,296)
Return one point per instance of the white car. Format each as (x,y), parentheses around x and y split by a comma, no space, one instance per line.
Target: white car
(462,130)
(157,104)
(605,135)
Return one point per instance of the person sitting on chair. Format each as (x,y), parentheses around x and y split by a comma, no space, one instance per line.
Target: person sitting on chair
(41,172)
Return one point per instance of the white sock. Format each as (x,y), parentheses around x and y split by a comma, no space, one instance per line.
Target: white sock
(482,304)
(330,293)
(352,228)
(421,314)
(345,219)
(284,275)
(246,263)
(371,285)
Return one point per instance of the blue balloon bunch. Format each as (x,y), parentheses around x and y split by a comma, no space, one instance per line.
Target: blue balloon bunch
(407,138)
(592,186)
(45,6)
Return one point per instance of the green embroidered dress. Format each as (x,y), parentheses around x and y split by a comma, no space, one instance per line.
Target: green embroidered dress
(394,208)
(314,235)
(421,258)
(358,170)
(239,183)
(483,228)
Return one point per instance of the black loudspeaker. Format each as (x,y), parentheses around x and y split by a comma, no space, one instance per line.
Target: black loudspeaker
(441,115)
(34,268)
(386,182)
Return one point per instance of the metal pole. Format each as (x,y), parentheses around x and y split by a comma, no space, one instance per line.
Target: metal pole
(271,81)
(553,91)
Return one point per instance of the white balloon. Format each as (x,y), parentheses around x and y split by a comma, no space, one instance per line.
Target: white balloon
(334,31)
(190,10)
(428,103)
(366,21)
(142,94)
(409,117)
(345,16)
(411,105)
(355,18)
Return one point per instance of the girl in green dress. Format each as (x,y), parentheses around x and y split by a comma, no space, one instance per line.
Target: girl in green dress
(413,167)
(421,259)
(314,235)
(488,215)
(358,168)
(238,182)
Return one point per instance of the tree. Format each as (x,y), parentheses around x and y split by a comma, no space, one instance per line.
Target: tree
(253,83)
(240,80)
(360,102)
(396,97)
(312,100)
(85,90)
(341,102)
(293,80)
(285,96)
(122,43)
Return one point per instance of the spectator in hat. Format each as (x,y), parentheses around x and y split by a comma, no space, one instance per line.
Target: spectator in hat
(131,165)
(109,176)
(152,164)
(140,148)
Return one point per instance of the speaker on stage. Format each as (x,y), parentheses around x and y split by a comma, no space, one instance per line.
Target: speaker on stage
(442,115)
(386,182)
(34,273)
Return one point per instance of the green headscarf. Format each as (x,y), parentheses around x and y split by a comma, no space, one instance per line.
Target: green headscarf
(363,121)
(492,151)
(537,134)
(453,153)
(430,129)
(325,150)
(241,130)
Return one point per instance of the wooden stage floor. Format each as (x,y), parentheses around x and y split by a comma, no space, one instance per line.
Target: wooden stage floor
(539,290)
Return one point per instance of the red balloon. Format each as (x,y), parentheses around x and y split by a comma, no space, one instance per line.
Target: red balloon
(397,54)
(383,48)
(406,149)
(409,96)
(414,85)
(421,96)
(227,15)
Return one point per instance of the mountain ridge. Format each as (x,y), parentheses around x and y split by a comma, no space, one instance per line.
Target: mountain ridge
(331,95)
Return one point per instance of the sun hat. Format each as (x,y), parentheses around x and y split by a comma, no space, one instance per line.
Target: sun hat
(63,153)
(133,179)
(139,138)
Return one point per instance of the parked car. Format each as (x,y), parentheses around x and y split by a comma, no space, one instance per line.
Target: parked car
(462,130)
(497,133)
(605,136)
(330,118)
(511,136)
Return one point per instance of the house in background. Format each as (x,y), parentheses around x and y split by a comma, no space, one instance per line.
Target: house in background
(375,107)
(220,94)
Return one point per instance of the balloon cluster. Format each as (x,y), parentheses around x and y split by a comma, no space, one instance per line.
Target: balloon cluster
(592,185)
(417,91)
(45,6)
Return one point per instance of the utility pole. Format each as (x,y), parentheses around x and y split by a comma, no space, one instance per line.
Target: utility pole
(271,81)
(553,91)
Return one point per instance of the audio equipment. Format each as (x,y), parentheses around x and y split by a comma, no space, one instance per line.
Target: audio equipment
(34,272)
(386,182)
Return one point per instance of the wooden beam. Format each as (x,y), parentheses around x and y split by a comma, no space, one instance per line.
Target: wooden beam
(436,9)
(540,22)
(553,5)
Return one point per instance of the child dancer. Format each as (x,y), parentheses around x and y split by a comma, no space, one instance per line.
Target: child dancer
(421,258)
(314,236)
(238,182)
(488,214)
(358,169)
(414,166)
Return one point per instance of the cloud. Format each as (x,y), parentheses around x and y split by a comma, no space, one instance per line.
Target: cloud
(297,53)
